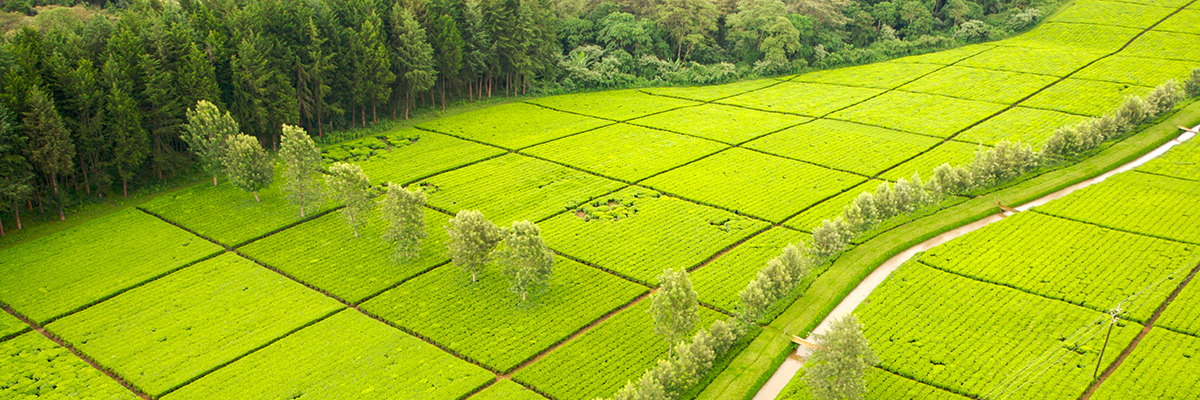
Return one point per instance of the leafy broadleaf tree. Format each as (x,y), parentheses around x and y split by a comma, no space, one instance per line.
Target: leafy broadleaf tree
(527,261)
(349,185)
(206,132)
(472,238)
(130,141)
(405,213)
(247,165)
(50,147)
(674,307)
(837,368)
(302,161)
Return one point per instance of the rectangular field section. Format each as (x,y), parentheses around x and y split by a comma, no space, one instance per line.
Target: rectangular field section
(925,114)
(726,124)
(1084,97)
(719,281)
(980,84)
(882,75)
(881,385)
(513,126)
(807,99)
(618,105)
(1136,202)
(1031,126)
(1053,61)
(1163,366)
(33,367)
(626,152)
(713,92)
(1182,161)
(409,154)
(847,146)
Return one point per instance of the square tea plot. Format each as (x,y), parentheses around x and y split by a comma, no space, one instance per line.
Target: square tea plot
(1186,21)
(487,323)
(1084,97)
(954,153)
(980,84)
(408,154)
(1081,37)
(1163,366)
(325,254)
(947,57)
(1112,13)
(1054,61)
(882,75)
(1165,45)
(1147,72)
(513,126)
(719,281)
(925,114)
(61,272)
(161,335)
(812,217)
(845,146)
(721,123)
(617,105)
(514,187)
(1136,202)
(1031,126)
(711,93)
(638,232)
(766,186)
(33,367)
(809,99)
(348,355)
(626,152)
(1182,161)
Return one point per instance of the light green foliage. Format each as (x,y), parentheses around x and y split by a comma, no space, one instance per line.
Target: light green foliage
(1186,21)
(808,99)
(1077,96)
(626,152)
(206,132)
(619,105)
(952,152)
(980,84)
(11,326)
(1183,314)
(165,333)
(408,154)
(1163,366)
(349,186)
(673,307)
(514,187)
(347,355)
(1081,37)
(404,211)
(1146,204)
(1183,162)
(1085,264)
(1136,70)
(1191,85)
(812,217)
(712,93)
(78,266)
(513,126)
(472,238)
(247,164)
(793,267)
(325,254)
(762,185)
(881,385)
(301,161)
(947,57)
(719,281)
(1112,13)
(971,337)
(485,322)
(836,370)
(618,350)
(1020,124)
(1163,98)
(507,390)
(527,262)
(660,230)
(726,124)
(1003,162)
(1168,45)
(1050,60)
(846,146)
(884,75)
(919,113)
(34,367)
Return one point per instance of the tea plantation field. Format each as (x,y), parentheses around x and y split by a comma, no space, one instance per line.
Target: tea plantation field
(203,293)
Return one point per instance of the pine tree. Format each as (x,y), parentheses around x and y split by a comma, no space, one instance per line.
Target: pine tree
(197,79)
(527,261)
(350,186)
(86,97)
(674,307)
(836,369)
(472,238)
(302,161)
(50,146)
(374,64)
(130,143)
(206,132)
(412,56)
(15,172)
(247,164)
(248,78)
(404,210)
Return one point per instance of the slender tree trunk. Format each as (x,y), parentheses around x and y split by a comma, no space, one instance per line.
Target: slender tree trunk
(472,276)
(374,117)
(407,104)
(363,114)
(214,179)
(87,186)
(256,197)
(125,186)
(301,209)
(443,94)
(320,128)
(522,297)
(355,231)
(470,92)
(37,194)
(17,214)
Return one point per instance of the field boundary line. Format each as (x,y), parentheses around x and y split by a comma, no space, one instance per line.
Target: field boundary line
(698,103)
(188,230)
(310,217)
(713,101)
(1101,226)
(16,334)
(1169,176)
(401,282)
(929,384)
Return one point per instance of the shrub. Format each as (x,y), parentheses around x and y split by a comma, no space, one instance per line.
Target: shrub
(1191,87)
(1163,98)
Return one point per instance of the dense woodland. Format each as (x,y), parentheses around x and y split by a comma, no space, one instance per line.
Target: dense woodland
(94,97)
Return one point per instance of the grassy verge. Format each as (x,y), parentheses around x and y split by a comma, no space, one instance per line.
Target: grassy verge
(749,370)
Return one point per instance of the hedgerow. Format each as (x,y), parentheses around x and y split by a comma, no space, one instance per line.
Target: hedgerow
(846,146)
(1136,202)
(408,154)
(34,367)
(1163,366)
(1087,135)
(513,126)
(722,123)
(629,153)
(719,281)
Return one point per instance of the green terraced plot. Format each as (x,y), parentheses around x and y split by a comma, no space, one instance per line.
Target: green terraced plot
(1186,21)
(601,360)
(1182,161)
(412,154)
(1083,97)
(33,367)
(616,105)
(1146,204)
(719,281)
(1183,314)
(932,115)
(809,99)
(485,322)
(1085,264)
(846,146)
(161,335)
(1163,366)
(61,272)
(1167,45)
(10,326)
(346,356)
(955,153)
(947,57)
(514,187)
(325,254)
(970,337)
(227,214)
(711,93)
(829,209)
(881,385)
(1031,126)
(514,126)
(626,152)
(1054,61)
(766,186)
(1112,13)
(646,232)
(980,84)
(884,75)
(721,123)
(507,390)
(1139,71)
(1082,37)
